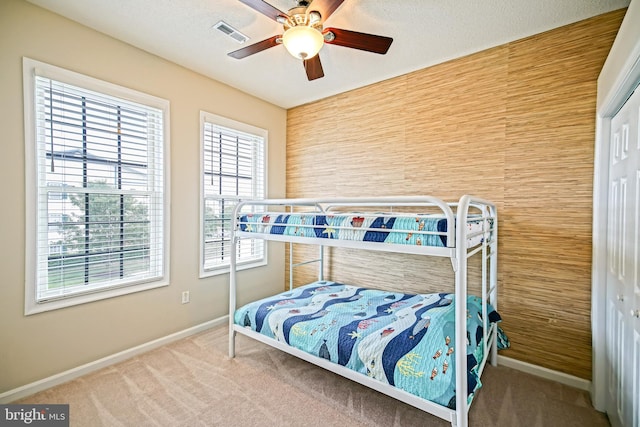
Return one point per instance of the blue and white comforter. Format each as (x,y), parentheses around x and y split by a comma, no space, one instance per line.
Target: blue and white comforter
(418,229)
(404,340)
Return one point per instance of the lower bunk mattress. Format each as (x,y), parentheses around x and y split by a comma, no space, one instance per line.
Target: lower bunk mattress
(405,340)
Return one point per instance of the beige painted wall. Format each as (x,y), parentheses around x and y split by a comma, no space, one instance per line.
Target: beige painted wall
(37,346)
(514,124)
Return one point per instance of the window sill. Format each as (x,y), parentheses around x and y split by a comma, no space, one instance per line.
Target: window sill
(33,307)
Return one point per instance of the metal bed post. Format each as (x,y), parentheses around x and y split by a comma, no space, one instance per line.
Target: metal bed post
(291,258)
(484,281)
(232,281)
(290,266)
(493,280)
(321,260)
(462,407)
(321,254)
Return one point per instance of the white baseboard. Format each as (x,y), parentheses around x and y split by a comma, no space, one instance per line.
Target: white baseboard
(549,374)
(62,377)
(43,384)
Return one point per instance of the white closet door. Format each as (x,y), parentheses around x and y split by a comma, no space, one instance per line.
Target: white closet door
(623,273)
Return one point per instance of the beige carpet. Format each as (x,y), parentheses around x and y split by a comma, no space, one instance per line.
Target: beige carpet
(192,382)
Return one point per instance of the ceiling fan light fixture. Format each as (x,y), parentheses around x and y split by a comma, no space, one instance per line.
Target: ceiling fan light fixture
(303,42)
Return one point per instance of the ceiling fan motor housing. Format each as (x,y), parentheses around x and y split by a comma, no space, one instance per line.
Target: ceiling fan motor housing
(299,16)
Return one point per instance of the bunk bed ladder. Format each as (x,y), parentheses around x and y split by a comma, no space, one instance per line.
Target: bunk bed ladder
(293,265)
(488,251)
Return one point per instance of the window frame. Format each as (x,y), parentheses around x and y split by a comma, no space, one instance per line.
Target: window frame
(206,117)
(31,70)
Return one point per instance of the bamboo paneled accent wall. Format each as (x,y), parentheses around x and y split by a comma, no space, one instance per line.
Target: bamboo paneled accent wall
(514,124)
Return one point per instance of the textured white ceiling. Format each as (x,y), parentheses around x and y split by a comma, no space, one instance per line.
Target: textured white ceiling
(425,32)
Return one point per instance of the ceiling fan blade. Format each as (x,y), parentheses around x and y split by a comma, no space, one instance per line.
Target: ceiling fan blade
(325,7)
(264,8)
(313,67)
(356,40)
(255,48)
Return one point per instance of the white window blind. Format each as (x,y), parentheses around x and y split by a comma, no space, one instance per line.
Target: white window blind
(100,206)
(233,163)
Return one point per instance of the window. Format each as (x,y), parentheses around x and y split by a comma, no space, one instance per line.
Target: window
(97,217)
(232,168)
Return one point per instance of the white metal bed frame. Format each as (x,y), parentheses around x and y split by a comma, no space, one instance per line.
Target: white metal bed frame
(456,250)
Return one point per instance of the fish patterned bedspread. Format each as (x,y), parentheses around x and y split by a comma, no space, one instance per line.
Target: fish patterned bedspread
(405,340)
(418,229)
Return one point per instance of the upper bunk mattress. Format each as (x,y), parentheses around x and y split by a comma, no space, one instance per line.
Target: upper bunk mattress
(405,340)
(415,229)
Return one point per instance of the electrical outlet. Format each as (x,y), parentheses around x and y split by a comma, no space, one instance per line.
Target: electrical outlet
(185,297)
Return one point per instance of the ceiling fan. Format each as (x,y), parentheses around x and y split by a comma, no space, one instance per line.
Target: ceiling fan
(304,34)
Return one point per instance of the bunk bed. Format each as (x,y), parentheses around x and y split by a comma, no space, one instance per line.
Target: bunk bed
(403,345)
